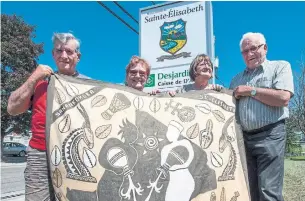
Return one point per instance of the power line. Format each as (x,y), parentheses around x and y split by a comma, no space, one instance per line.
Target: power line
(115,15)
(126,12)
(223,84)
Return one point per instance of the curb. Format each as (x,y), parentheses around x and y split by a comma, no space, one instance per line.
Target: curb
(12,194)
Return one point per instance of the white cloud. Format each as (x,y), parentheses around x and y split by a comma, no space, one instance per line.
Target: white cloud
(169,26)
(178,26)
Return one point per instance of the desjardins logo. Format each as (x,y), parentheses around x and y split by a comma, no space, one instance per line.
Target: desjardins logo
(150,81)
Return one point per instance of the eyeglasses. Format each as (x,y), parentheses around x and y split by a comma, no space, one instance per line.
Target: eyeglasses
(134,73)
(205,62)
(252,49)
(68,51)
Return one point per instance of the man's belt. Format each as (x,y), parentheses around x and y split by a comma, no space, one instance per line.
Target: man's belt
(264,128)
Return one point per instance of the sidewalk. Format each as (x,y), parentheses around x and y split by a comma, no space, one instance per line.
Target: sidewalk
(17,192)
(5,165)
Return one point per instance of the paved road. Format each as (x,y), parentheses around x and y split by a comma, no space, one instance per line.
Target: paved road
(19,198)
(12,179)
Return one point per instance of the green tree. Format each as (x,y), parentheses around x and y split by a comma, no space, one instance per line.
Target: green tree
(292,138)
(19,55)
(296,121)
(298,102)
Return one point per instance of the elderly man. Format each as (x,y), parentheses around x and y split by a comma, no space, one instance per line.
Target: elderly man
(263,91)
(32,94)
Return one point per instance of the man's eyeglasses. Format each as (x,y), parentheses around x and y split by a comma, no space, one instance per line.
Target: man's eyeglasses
(68,51)
(252,49)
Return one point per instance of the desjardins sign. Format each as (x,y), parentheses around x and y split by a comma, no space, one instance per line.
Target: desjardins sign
(173,78)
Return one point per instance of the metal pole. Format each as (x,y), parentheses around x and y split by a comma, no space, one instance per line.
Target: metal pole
(215,66)
(214,74)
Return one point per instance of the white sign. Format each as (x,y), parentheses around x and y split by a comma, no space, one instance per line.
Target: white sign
(175,33)
(168,79)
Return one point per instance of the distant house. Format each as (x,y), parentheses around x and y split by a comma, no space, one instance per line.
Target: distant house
(300,136)
(16,137)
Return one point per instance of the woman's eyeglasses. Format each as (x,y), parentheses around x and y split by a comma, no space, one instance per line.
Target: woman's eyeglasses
(135,73)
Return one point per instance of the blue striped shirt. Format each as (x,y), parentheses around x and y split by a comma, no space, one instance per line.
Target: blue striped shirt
(271,74)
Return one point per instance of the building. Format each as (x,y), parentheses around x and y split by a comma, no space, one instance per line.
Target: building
(300,136)
(15,137)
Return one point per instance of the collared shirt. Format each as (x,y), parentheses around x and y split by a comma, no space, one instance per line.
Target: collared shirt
(271,74)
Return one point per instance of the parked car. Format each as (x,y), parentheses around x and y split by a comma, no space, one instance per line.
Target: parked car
(14,148)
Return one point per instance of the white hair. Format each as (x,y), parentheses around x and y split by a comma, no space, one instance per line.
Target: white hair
(250,35)
(64,38)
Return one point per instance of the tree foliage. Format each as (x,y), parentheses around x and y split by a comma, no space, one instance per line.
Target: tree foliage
(19,55)
(298,102)
(296,121)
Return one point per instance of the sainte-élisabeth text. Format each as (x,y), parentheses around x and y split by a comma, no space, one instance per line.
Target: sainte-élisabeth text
(173,13)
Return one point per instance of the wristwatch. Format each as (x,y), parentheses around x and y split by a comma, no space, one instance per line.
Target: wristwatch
(253,92)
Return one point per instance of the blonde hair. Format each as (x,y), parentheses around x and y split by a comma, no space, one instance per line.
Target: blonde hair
(135,60)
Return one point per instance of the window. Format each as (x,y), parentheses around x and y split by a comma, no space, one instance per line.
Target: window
(18,145)
(7,145)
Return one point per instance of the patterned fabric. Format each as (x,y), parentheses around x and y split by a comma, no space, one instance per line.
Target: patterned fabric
(38,119)
(271,74)
(191,87)
(37,180)
(110,142)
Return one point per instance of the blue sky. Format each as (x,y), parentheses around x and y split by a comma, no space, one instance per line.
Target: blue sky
(107,44)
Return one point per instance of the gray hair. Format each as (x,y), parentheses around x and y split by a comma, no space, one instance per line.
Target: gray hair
(195,63)
(258,36)
(64,38)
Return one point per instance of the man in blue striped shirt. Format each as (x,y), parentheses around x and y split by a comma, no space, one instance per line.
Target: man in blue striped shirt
(263,91)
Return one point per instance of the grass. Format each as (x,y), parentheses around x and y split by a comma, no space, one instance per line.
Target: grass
(294,180)
(299,158)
